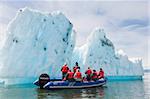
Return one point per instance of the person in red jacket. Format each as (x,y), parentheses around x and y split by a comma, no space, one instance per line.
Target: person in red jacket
(64,70)
(78,76)
(88,74)
(94,75)
(101,73)
(76,67)
(70,76)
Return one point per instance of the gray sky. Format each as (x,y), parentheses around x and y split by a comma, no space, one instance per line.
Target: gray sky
(126,23)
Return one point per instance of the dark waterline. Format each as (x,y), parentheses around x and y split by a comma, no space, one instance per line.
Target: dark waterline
(136,89)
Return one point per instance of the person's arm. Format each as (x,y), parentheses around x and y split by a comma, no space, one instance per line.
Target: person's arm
(98,74)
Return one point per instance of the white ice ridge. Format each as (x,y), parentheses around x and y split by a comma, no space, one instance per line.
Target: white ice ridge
(42,42)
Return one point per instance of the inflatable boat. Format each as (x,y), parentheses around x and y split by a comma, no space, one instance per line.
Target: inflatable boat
(46,83)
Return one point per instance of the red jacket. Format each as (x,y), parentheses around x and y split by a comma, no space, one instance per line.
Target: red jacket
(101,74)
(75,68)
(88,72)
(78,75)
(94,75)
(70,75)
(65,69)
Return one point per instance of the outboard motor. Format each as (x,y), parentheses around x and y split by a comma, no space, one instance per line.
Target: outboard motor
(43,79)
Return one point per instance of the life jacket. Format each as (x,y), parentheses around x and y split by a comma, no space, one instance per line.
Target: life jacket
(94,75)
(65,69)
(75,68)
(70,75)
(88,72)
(78,75)
(101,74)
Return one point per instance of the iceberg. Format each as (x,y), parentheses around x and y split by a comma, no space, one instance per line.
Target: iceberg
(99,52)
(36,43)
(42,42)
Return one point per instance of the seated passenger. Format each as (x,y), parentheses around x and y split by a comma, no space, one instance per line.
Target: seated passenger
(78,76)
(70,75)
(94,75)
(101,73)
(88,74)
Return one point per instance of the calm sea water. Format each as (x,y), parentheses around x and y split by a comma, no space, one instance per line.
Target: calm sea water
(136,89)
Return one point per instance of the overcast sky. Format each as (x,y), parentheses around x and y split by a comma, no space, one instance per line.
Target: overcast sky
(126,23)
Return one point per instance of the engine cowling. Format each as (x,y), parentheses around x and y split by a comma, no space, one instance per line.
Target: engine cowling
(43,79)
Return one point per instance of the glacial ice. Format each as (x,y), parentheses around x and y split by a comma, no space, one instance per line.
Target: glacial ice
(42,42)
(99,52)
(36,43)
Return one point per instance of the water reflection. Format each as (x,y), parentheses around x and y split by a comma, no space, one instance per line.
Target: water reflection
(71,93)
(113,90)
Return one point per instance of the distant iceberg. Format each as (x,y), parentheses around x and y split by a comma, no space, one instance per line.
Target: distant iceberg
(99,52)
(42,42)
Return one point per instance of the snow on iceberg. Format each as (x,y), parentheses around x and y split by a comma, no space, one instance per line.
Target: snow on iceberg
(42,42)
(36,43)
